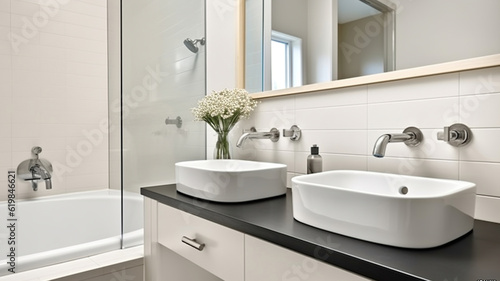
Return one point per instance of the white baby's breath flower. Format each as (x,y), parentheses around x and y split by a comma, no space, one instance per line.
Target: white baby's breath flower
(222,110)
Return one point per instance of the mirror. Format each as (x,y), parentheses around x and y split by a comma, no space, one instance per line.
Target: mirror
(426,32)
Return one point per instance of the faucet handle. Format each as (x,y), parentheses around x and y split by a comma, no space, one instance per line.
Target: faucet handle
(294,133)
(177,121)
(35,151)
(445,135)
(457,134)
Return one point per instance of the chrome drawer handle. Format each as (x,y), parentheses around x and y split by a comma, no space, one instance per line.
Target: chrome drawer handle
(193,243)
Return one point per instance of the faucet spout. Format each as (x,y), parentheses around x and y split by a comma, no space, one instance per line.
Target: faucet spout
(273,135)
(48,184)
(411,136)
(381,145)
(242,139)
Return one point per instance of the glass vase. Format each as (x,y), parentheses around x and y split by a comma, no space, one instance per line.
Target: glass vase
(222,150)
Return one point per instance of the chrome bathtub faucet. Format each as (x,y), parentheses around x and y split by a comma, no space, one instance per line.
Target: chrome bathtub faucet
(36,169)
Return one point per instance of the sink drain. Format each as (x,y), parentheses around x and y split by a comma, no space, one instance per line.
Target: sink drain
(403,190)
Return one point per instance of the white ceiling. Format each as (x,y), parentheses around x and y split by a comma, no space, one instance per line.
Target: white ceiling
(350,10)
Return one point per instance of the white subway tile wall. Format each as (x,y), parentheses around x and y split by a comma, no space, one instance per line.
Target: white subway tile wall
(346,122)
(53,91)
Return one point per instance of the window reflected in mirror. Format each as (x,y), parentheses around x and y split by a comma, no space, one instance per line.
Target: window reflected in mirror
(286,61)
(280,65)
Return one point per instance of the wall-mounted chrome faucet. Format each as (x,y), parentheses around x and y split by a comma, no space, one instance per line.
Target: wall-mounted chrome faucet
(273,135)
(411,136)
(456,135)
(35,169)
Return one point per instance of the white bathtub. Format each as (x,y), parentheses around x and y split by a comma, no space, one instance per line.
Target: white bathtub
(65,227)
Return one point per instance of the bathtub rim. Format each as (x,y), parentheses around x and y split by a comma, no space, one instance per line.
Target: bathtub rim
(76,194)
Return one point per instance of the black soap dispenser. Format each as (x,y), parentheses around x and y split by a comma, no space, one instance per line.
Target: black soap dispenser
(314,161)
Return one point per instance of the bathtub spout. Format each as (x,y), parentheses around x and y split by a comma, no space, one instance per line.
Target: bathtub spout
(48,184)
(34,185)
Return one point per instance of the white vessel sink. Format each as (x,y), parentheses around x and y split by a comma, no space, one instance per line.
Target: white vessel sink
(372,206)
(230,180)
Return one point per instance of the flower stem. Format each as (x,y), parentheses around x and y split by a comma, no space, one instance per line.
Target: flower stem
(222,146)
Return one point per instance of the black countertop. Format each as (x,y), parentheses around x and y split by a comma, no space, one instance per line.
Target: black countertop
(474,256)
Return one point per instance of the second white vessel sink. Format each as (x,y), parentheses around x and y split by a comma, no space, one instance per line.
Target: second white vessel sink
(230,180)
(396,210)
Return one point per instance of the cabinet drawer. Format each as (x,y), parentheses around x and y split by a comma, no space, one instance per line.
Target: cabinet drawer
(223,251)
(267,261)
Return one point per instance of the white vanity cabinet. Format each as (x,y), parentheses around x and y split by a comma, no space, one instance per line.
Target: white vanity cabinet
(227,254)
(267,261)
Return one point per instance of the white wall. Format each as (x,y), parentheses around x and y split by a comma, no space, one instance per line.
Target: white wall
(295,22)
(290,17)
(322,41)
(469,31)
(221,25)
(53,88)
(253,46)
(370,59)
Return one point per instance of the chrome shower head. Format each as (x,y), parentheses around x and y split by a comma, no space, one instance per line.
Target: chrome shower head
(192,44)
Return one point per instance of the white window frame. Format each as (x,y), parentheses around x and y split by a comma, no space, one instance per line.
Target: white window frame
(295,70)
